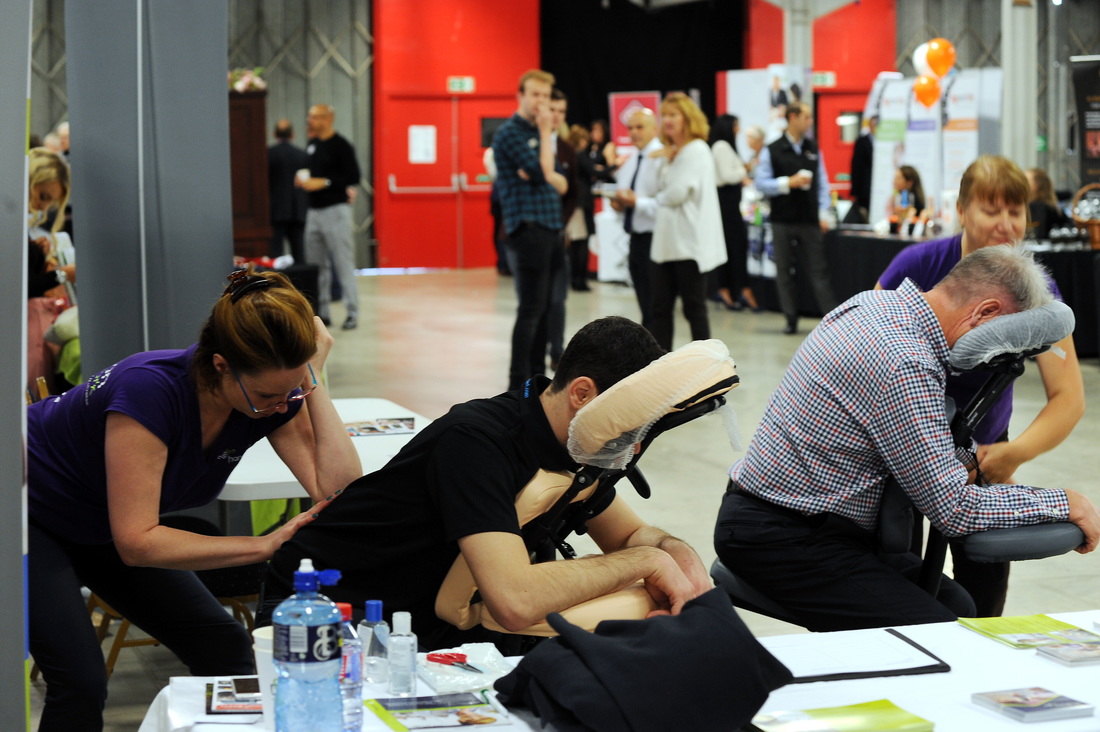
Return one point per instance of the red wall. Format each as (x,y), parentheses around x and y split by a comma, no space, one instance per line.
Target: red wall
(763,35)
(857,41)
(419,43)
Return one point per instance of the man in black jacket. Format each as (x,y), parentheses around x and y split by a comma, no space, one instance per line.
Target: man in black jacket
(862,156)
(288,202)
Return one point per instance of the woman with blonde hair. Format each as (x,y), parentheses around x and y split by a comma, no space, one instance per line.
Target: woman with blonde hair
(51,270)
(158,432)
(992,210)
(687,237)
(48,193)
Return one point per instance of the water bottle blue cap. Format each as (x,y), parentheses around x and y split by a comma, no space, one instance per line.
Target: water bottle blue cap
(305,581)
(374,611)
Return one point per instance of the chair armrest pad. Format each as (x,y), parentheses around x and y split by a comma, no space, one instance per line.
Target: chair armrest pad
(1024,542)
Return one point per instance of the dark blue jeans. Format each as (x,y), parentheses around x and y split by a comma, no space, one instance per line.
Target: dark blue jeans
(170,605)
(539,255)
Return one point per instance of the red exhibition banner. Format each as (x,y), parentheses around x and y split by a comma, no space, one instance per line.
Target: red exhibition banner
(624,104)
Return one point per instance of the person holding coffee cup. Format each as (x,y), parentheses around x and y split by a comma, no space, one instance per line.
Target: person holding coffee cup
(791,173)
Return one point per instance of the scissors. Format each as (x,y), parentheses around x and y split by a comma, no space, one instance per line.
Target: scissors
(453,659)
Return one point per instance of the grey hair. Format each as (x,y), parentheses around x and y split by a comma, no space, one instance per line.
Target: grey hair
(755,131)
(1004,269)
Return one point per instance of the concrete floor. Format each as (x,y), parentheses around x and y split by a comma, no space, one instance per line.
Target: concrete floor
(427,341)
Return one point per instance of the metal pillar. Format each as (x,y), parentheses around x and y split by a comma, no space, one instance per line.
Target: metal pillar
(1019,114)
(15,35)
(798,27)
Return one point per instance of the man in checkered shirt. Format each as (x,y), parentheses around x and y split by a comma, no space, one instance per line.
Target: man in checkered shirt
(863,399)
(530,198)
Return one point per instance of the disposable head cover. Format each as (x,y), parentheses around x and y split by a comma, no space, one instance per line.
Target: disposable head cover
(603,432)
(1015,333)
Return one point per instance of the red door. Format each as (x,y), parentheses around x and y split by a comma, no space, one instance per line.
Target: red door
(830,107)
(434,210)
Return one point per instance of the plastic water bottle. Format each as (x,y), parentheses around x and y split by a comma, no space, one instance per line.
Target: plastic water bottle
(402,656)
(307,656)
(374,634)
(351,671)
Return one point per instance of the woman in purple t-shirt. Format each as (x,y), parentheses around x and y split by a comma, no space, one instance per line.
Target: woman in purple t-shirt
(992,209)
(158,432)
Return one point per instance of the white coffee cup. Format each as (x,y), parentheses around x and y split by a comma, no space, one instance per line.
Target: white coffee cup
(262,639)
(809,174)
(303,174)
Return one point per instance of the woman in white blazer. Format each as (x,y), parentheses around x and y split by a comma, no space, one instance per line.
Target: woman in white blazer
(687,238)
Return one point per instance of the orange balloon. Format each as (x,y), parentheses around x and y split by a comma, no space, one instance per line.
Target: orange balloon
(941,56)
(927,90)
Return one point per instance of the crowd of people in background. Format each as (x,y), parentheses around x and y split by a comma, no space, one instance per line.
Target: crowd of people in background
(678,189)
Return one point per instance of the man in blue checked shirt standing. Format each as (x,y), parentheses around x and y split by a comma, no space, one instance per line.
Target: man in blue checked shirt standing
(861,400)
(530,197)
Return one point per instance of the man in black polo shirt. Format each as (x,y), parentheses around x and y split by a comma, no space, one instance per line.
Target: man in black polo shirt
(791,172)
(530,198)
(395,533)
(333,169)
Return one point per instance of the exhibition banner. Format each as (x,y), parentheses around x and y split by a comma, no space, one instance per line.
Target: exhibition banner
(923,149)
(1086,90)
(960,129)
(889,150)
(744,93)
(624,104)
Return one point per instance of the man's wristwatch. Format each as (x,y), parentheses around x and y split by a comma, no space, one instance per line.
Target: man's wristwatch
(62,278)
(328,183)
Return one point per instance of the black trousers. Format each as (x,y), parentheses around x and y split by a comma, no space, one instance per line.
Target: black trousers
(578,264)
(826,570)
(681,278)
(639,265)
(539,254)
(808,260)
(171,605)
(295,233)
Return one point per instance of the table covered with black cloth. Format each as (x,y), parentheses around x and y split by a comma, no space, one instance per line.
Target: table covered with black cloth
(857,258)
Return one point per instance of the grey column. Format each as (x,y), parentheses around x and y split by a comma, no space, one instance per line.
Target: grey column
(798,28)
(15,33)
(1020,117)
(150,155)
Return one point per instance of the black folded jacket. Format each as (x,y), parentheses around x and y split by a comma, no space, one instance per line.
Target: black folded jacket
(699,670)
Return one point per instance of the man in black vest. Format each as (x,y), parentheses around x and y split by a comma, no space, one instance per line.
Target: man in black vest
(791,172)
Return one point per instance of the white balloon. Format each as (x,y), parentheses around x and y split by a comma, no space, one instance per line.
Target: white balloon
(920,61)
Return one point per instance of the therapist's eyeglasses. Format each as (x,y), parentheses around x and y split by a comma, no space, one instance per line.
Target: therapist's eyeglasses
(295,396)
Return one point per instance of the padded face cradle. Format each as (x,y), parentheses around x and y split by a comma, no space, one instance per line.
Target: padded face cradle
(604,431)
(1031,330)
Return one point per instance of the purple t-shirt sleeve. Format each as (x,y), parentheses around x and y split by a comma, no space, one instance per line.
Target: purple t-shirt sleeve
(926,263)
(150,397)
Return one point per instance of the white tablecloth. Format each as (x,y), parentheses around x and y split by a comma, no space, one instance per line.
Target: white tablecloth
(261,474)
(977,664)
(181,707)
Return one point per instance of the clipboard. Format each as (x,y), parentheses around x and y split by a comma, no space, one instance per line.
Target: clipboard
(853,655)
